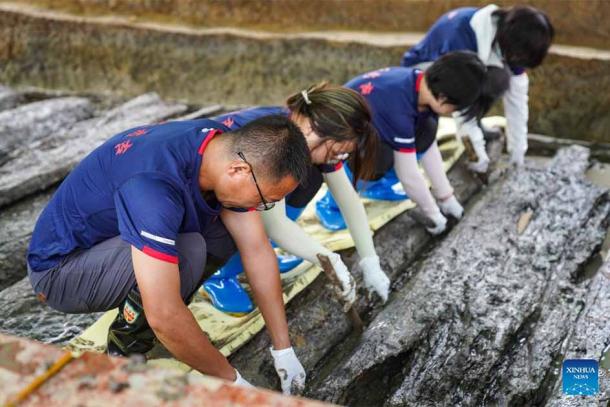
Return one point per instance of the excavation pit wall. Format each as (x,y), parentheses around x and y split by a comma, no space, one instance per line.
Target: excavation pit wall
(202,66)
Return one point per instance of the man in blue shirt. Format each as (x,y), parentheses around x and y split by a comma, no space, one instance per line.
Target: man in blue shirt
(144,219)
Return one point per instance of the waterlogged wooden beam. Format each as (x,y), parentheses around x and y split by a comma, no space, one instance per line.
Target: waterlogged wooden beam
(17,223)
(464,324)
(39,120)
(47,161)
(315,318)
(23,315)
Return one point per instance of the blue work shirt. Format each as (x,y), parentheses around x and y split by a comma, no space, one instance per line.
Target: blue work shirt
(451,32)
(141,184)
(392,95)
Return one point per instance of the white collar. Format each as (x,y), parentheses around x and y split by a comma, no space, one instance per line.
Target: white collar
(485,25)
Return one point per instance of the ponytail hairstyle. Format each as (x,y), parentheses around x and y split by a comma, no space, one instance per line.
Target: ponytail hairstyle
(463,80)
(524,35)
(340,114)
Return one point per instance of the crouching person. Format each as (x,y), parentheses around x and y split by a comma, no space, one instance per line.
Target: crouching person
(149,214)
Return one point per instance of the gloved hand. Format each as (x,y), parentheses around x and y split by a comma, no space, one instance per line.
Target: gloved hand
(240,381)
(347,281)
(482,165)
(289,369)
(440,223)
(517,158)
(451,207)
(374,278)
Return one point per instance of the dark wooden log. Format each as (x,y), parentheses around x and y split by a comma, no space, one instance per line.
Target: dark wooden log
(17,223)
(24,315)
(39,120)
(488,305)
(317,323)
(47,161)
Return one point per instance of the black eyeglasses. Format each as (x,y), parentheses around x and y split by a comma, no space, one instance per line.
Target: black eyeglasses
(264,205)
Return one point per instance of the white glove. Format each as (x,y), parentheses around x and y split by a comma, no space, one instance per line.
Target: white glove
(440,223)
(240,381)
(451,207)
(482,165)
(346,279)
(289,369)
(517,158)
(374,278)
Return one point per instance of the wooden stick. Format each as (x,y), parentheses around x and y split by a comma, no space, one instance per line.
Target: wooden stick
(470,153)
(473,157)
(41,379)
(329,270)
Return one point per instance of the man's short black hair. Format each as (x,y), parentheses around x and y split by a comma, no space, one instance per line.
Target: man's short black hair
(464,81)
(275,146)
(524,35)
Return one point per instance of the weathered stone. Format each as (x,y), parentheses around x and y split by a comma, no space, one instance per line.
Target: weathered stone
(37,121)
(99,380)
(457,331)
(17,223)
(47,161)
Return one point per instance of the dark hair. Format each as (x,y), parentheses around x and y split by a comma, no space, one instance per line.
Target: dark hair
(340,114)
(524,35)
(464,81)
(275,146)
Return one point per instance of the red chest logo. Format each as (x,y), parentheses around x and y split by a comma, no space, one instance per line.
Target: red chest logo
(121,148)
(136,133)
(366,88)
(228,122)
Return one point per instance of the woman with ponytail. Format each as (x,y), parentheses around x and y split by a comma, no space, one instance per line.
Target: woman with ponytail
(336,123)
(406,103)
(518,37)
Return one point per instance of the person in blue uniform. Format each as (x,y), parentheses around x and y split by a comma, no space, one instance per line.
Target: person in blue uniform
(405,103)
(518,37)
(148,215)
(336,122)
